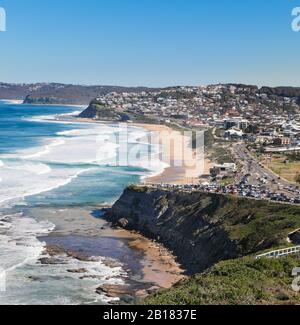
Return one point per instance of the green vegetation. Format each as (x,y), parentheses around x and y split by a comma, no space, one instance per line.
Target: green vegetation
(137,188)
(236,227)
(209,138)
(284,167)
(227,181)
(295,156)
(236,282)
(257,224)
(217,237)
(221,155)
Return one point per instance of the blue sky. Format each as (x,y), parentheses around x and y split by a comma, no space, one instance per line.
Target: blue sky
(150,42)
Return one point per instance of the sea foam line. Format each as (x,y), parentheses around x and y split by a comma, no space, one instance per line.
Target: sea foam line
(45,190)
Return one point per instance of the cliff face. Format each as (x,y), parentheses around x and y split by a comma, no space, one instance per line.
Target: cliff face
(98,111)
(49,100)
(203,229)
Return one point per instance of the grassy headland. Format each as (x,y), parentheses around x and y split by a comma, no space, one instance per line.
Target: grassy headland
(236,282)
(216,239)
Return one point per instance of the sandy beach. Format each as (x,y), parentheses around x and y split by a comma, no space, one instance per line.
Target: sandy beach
(186,165)
(158,265)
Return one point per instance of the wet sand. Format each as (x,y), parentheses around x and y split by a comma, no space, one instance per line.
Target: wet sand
(186,165)
(82,230)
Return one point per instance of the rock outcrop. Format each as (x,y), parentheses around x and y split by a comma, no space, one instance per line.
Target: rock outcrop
(203,229)
(101,112)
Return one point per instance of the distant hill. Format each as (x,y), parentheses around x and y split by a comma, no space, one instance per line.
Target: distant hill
(281,91)
(56,93)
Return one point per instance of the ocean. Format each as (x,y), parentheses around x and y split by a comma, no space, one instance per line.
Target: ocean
(54,175)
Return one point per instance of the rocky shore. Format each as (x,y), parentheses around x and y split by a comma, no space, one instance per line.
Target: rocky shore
(82,237)
(203,229)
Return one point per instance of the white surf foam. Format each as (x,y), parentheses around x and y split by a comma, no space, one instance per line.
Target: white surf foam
(45,150)
(30,282)
(24,180)
(72,114)
(63,158)
(12,101)
(18,240)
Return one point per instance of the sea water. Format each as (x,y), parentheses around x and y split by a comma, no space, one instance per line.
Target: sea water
(54,163)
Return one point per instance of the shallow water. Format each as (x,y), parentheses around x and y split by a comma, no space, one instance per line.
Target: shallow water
(48,167)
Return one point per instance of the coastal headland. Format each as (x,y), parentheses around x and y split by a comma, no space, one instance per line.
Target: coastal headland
(211,235)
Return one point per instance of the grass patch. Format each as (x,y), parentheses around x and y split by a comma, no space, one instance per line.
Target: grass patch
(283,167)
(236,282)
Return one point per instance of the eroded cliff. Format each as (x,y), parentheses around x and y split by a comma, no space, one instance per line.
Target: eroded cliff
(203,229)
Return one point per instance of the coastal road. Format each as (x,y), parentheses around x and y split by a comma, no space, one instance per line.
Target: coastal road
(259,175)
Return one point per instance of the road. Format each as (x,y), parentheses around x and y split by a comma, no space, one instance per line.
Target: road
(259,175)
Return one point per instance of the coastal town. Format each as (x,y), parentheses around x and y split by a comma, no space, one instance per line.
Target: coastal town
(253,134)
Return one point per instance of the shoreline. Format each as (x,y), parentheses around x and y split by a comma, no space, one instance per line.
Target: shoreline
(157,267)
(159,264)
(192,165)
(21,101)
(12,101)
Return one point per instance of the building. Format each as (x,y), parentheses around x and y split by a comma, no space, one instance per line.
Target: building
(234,134)
(227,168)
(238,123)
(282,141)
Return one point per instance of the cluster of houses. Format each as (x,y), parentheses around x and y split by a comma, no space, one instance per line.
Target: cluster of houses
(242,112)
(281,136)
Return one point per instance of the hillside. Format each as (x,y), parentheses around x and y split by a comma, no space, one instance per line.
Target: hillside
(99,111)
(236,282)
(196,104)
(56,93)
(204,229)
(216,239)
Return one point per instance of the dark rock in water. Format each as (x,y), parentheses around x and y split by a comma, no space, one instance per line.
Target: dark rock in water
(54,251)
(78,271)
(35,278)
(127,299)
(112,264)
(50,261)
(115,291)
(91,277)
(79,256)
